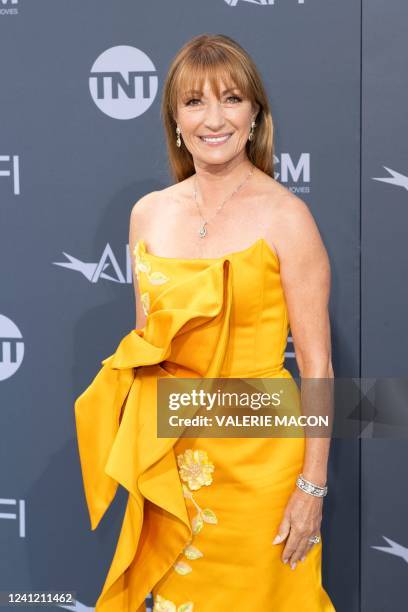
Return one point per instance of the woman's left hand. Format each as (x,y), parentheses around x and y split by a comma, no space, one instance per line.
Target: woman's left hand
(301,520)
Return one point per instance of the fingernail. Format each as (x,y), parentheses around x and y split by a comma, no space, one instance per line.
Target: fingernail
(303,558)
(293,565)
(277,539)
(285,560)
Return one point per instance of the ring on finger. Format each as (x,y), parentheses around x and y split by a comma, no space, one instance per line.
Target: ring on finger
(315,539)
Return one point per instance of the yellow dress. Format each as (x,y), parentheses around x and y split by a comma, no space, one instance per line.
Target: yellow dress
(201,512)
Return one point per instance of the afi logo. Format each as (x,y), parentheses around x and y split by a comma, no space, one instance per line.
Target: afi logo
(10,167)
(18,515)
(262,2)
(123,82)
(93,271)
(397,179)
(394,549)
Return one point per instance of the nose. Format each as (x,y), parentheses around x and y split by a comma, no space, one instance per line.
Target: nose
(214,116)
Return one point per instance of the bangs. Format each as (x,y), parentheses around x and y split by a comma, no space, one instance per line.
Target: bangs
(221,71)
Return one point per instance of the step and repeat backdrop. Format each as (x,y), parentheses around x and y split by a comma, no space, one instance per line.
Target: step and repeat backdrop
(81,141)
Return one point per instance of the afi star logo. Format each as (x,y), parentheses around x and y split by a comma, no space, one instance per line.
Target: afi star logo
(394,549)
(397,179)
(94,271)
(262,2)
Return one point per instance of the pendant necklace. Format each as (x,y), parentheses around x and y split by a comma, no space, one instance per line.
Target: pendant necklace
(203,229)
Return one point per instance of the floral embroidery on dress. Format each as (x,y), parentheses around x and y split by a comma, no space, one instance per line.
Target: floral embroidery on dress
(196,470)
(154,277)
(166,605)
(143,265)
(145,300)
(157,278)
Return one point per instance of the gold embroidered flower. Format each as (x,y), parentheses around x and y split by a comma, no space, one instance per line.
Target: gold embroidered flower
(166,605)
(192,552)
(157,278)
(195,468)
(186,607)
(143,265)
(182,568)
(145,300)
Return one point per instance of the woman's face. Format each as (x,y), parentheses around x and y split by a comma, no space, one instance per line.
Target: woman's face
(228,120)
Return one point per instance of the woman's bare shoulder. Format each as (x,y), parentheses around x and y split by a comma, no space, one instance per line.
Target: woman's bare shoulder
(148,203)
(144,205)
(289,220)
(286,206)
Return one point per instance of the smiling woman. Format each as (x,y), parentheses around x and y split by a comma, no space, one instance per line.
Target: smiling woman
(233,90)
(216,523)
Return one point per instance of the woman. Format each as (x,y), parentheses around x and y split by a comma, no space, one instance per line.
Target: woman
(224,260)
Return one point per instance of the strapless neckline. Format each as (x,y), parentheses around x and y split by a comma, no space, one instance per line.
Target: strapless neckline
(259,242)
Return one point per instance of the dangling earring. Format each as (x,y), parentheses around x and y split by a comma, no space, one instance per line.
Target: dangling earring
(178,141)
(251,133)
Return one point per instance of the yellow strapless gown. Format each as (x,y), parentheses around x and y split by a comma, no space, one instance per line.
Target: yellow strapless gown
(215,317)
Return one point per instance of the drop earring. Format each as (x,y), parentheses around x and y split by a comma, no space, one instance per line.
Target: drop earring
(178,141)
(251,133)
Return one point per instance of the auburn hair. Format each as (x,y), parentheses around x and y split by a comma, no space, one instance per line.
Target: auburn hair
(220,59)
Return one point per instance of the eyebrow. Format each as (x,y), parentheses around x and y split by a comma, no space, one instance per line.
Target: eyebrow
(196,91)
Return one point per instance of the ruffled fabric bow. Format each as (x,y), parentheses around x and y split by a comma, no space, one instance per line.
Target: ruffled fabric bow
(187,328)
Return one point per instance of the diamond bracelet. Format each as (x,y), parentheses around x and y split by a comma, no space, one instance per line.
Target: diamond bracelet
(309,487)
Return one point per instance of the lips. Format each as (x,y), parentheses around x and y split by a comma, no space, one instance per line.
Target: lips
(219,139)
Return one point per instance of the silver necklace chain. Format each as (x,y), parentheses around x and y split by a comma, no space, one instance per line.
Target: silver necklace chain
(203,230)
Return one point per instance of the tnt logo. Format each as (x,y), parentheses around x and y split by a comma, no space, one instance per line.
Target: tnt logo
(123,82)
(11,348)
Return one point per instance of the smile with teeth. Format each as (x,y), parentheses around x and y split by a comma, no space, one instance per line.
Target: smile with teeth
(219,139)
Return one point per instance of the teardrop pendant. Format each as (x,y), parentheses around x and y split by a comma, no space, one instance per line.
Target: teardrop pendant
(203,230)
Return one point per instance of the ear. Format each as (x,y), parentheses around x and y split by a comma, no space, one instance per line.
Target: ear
(255,109)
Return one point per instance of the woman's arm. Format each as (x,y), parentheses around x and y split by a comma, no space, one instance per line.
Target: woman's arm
(305,278)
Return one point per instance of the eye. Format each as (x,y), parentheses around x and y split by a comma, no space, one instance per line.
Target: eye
(189,102)
(192,100)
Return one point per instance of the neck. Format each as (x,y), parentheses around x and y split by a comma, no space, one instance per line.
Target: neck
(215,183)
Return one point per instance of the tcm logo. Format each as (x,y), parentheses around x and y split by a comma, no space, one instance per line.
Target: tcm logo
(10,168)
(123,82)
(297,172)
(262,2)
(12,7)
(11,348)
(107,267)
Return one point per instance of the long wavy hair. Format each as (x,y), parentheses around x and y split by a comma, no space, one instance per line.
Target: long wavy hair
(218,58)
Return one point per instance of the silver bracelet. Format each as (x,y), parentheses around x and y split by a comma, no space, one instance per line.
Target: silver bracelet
(309,487)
